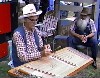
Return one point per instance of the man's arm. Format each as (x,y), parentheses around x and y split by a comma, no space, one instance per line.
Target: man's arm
(93,29)
(77,35)
(90,35)
(44,49)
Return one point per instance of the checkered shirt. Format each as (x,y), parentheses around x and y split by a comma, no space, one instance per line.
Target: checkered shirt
(93,28)
(30,51)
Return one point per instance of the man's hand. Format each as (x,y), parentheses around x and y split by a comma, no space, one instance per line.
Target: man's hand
(83,38)
(46,50)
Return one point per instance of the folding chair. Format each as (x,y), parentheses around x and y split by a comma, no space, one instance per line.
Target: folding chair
(49,26)
(59,37)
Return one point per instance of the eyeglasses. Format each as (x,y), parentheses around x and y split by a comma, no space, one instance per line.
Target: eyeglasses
(84,15)
(34,20)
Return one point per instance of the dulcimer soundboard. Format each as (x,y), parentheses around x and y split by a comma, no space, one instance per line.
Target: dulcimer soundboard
(63,63)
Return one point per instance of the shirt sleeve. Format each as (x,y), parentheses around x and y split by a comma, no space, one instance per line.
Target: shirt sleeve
(93,27)
(22,53)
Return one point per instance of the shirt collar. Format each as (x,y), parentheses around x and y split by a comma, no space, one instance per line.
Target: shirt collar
(27,31)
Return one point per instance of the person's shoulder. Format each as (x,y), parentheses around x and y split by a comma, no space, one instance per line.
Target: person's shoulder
(19,29)
(91,20)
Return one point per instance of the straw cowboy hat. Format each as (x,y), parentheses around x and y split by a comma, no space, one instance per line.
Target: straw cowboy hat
(86,11)
(29,10)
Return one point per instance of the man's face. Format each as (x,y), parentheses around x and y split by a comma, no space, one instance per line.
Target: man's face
(82,22)
(31,21)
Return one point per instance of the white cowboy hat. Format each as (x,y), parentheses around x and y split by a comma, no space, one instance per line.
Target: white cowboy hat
(29,10)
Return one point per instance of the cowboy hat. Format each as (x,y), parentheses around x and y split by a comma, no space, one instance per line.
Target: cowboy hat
(29,10)
(85,11)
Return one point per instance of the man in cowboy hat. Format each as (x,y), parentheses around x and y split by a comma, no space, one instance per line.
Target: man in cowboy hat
(27,42)
(83,32)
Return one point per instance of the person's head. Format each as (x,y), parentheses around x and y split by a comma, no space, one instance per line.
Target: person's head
(86,12)
(30,16)
(84,18)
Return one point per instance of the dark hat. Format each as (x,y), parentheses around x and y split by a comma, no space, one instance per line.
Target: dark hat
(86,11)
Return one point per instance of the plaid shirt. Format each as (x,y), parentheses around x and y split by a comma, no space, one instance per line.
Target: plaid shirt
(30,51)
(93,28)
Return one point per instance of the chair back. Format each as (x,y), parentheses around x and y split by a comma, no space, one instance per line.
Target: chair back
(49,25)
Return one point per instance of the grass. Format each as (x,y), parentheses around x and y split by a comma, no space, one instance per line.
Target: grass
(89,72)
(4,69)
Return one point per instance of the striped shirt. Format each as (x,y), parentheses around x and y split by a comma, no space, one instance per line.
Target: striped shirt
(30,51)
(93,28)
